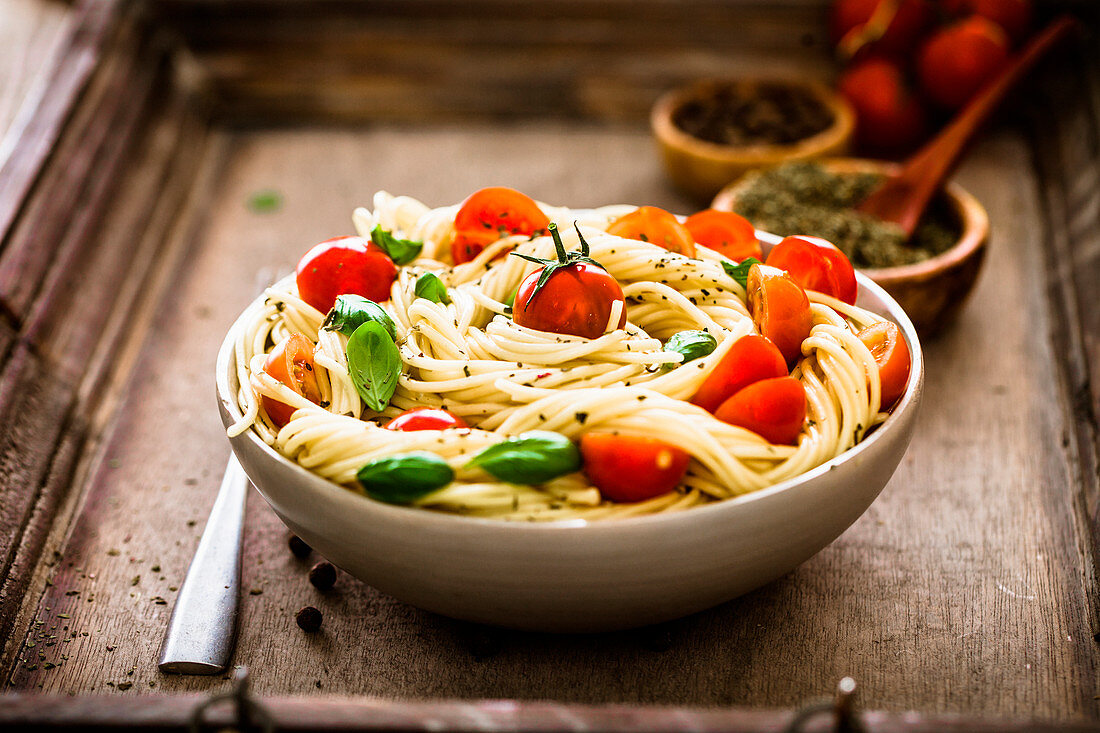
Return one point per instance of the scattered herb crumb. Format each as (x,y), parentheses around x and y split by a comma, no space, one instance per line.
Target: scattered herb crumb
(265,201)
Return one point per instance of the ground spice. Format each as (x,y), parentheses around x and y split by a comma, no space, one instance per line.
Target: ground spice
(753,114)
(804,198)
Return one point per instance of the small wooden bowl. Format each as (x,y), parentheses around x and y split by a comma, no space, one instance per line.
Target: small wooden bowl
(932,291)
(701,168)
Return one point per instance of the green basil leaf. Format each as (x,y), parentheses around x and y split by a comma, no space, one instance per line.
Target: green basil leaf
(374,364)
(692,344)
(740,271)
(401,251)
(352,311)
(532,458)
(431,287)
(404,478)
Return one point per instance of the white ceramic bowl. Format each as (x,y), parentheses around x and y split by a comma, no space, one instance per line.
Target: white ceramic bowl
(574,576)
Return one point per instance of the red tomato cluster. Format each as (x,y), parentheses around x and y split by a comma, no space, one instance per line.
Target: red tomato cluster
(911,62)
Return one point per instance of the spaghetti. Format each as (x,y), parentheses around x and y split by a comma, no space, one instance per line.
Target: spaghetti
(467,355)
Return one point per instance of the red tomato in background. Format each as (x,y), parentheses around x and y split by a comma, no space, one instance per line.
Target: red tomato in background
(890,117)
(750,359)
(958,60)
(1014,16)
(885,342)
(774,409)
(816,264)
(656,226)
(491,214)
(425,418)
(291,362)
(576,301)
(629,468)
(345,265)
(780,309)
(730,235)
(881,27)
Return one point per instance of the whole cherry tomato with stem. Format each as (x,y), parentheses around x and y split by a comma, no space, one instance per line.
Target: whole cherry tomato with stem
(291,362)
(750,359)
(630,468)
(890,116)
(890,28)
(492,214)
(1014,16)
(425,418)
(816,264)
(780,309)
(886,344)
(343,266)
(774,409)
(958,60)
(730,235)
(572,295)
(656,226)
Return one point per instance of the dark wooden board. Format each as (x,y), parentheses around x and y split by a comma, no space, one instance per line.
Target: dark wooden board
(968,588)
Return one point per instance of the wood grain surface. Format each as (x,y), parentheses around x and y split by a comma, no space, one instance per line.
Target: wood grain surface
(959,591)
(968,588)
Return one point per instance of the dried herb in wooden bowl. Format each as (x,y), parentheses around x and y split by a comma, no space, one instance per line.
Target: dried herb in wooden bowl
(807,198)
(754,114)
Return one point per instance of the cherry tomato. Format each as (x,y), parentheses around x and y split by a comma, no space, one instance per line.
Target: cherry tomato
(656,226)
(957,61)
(890,118)
(774,409)
(345,265)
(1014,16)
(891,353)
(576,300)
(727,233)
(491,214)
(291,362)
(816,264)
(425,418)
(629,468)
(780,309)
(750,359)
(881,27)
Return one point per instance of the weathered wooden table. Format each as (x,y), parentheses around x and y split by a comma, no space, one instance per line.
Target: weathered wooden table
(131,240)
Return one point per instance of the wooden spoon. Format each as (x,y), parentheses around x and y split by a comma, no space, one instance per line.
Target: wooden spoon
(903,198)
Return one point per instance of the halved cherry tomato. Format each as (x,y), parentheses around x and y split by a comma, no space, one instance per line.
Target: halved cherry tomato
(291,362)
(576,300)
(774,409)
(885,342)
(345,265)
(425,418)
(816,264)
(780,309)
(491,214)
(630,468)
(656,226)
(730,235)
(750,359)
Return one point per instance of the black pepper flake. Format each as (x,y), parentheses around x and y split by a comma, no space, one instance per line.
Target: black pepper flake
(466,370)
(581,417)
(124,686)
(309,619)
(323,575)
(299,547)
(324,404)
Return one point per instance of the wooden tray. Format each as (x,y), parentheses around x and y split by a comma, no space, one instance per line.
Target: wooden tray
(186,152)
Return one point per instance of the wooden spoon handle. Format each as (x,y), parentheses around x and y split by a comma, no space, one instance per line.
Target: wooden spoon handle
(903,199)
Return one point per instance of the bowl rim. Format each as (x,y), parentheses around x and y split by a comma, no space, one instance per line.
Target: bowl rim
(909,401)
(972,216)
(661,120)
